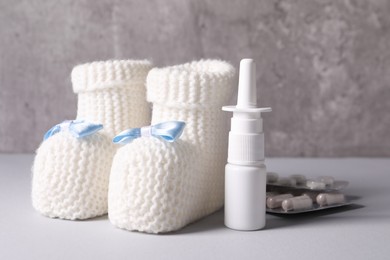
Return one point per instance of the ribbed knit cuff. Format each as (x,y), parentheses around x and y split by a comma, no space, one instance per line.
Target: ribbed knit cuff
(197,84)
(109,74)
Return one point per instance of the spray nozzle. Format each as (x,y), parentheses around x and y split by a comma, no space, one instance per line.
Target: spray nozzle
(247,97)
(247,92)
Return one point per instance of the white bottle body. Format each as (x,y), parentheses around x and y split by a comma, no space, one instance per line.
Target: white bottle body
(245,191)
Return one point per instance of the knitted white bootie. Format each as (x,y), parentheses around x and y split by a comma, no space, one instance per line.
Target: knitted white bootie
(70,175)
(156,186)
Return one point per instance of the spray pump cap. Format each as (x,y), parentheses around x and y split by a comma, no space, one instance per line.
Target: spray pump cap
(246,138)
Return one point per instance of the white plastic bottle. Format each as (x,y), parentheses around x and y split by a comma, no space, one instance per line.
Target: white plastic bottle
(245,173)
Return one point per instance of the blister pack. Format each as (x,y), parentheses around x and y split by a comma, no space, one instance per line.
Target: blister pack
(297,194)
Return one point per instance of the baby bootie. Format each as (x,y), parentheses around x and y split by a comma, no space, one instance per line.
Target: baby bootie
(72,165)
(158,186)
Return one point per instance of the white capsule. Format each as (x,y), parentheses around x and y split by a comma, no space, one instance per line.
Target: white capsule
(324,199)
(276,201)
(315,184)
(297,203)
(287,182)
(272,177)
(328,180)
(299,178)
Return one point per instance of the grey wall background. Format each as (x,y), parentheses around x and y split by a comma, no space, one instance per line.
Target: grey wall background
(323,66)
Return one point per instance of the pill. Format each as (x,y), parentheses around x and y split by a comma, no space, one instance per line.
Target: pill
(297,203)
(276,201)
(299,178)
(315,184)
(272,177)
(328,180)
(287,182)
(324,199)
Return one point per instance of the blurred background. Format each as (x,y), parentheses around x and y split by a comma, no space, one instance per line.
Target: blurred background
(322,65)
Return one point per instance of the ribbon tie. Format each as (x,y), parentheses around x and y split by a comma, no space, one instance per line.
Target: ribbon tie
(78,128)
(168,131)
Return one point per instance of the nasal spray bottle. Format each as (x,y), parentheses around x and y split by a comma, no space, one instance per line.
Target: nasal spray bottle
(245,173)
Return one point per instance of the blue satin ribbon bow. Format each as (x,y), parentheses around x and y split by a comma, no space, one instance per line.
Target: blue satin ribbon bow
(168,131)
(78,128)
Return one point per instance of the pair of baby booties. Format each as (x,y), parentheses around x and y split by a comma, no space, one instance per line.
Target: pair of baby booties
(148,185)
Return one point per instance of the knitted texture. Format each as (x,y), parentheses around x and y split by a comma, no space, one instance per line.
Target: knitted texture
(112,93)
(157,186)
(150,185)
(70,175)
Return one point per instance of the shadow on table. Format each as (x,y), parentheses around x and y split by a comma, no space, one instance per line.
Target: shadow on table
(216,221)
(100,218)
(209,223)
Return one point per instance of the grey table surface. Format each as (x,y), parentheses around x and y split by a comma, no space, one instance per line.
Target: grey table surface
(361,231)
